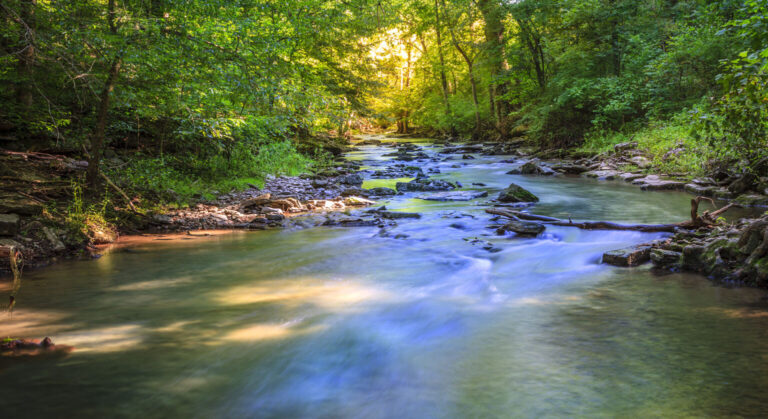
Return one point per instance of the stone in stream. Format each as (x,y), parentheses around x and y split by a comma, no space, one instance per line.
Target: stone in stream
(522,228)
(516,193)
(665,258)
(424,185)
(9,224)
(607,174)
(752,200)
(700,190)
(656,183)
(395,215)
(454,196)
(630,256)
(382,191)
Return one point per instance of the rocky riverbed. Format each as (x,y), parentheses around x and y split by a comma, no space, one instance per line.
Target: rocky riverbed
(333,196)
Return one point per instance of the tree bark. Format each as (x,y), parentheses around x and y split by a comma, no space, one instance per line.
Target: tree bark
(493,16)
(97,140)
(24,96)
(443,78)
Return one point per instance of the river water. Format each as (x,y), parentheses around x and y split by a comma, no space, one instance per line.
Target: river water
(335,322)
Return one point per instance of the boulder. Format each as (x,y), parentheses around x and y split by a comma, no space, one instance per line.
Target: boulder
(570,168)
(522,228)
(353,179)
(630,256)
(355,201)
(752,200)
(516,193)
(395,215)
(641,162)
(625,146)
(656,183)
(454,196)
(257,201)
(9,224)
(424,185)
(665,258)
(602,174)
(382,191)
(700,190)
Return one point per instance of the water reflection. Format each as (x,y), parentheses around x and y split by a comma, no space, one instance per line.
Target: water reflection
(332,322)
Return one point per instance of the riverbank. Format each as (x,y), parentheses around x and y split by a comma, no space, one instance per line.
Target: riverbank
(325,197)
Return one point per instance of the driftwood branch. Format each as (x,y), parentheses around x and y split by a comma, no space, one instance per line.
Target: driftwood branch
(706,219)
(120,191)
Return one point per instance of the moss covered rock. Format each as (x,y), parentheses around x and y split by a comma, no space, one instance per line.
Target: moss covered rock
(516,193)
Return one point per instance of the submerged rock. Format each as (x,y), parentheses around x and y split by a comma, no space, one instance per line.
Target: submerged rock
(630,256)
(425,185)
(516,193)
(522,228)
(665,258)
(454,196)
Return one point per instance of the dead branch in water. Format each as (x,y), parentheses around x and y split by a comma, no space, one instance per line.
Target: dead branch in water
(706,219)
(16,262)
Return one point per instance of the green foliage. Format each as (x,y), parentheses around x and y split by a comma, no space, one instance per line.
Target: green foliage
(83,219)
(181,179)
(736,124)
(670,143)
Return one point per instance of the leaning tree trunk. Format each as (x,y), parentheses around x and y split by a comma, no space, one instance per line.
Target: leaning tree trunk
(97,140)
(26,56)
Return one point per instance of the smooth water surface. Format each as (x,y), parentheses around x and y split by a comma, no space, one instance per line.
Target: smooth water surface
(334,322)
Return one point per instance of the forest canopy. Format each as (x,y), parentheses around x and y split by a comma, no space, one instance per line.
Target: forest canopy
(224,92)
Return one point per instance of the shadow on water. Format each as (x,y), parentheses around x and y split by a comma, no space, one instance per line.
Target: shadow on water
(333,322)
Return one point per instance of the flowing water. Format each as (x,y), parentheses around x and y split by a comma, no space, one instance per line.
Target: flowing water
(334,322)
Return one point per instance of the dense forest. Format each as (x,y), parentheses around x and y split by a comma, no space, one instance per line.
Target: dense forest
(175,99)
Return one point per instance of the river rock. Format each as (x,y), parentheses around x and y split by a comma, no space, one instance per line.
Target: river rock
(570,168)
(396,215)
(700,190)
(629,177)
(9,224)
(630,256)
(424,185)
(16,204)
(353,179)
(516,193)
(607,174)
(522,228)
(752,200)
(257,201)
(625,146)
(665,258)
(641,162)
(355,201)
(656,183)
(382,191)
(454,196)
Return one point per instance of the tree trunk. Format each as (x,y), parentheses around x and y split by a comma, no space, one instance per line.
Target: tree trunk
(493,16)
(470,69)
(97,140)
(26,56)
(532,41)
(443,78)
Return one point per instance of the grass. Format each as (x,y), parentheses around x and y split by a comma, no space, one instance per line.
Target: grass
(657,139)
(181,180)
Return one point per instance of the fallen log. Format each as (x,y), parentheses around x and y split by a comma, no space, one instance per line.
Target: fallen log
(706,219)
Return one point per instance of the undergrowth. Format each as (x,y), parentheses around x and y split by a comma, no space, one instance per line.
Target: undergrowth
(182,179)
(669,143)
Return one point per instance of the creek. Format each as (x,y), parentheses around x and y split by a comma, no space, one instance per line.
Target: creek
(344,322)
